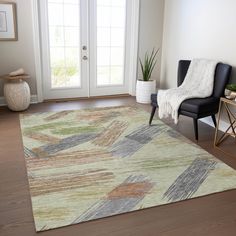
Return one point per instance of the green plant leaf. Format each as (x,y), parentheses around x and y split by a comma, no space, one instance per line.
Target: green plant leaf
(231,87)
(147,66)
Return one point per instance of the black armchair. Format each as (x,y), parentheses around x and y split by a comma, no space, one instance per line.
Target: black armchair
(198,108)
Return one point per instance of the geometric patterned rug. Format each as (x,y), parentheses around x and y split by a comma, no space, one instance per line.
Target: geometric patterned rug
(89,164)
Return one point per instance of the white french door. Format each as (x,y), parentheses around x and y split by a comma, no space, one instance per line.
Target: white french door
(108,37)
(84,47)
(64,29)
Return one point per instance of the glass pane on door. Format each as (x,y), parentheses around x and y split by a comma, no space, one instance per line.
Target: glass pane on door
(65,43)
(111,28)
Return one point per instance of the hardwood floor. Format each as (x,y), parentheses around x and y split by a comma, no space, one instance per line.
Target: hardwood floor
(210,215)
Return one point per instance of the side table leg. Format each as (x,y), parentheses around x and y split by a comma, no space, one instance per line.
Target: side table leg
(218,123)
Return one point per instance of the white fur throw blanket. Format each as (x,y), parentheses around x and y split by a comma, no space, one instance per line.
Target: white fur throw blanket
(198,83)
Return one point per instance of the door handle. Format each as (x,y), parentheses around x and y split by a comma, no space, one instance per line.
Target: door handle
(84,48)
(85,58)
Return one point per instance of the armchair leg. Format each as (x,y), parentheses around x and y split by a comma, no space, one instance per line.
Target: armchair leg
(152,114)
(214,120)
(195,122)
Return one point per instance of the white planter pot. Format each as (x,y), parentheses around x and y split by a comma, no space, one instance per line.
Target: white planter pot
(144,89)
(227,92)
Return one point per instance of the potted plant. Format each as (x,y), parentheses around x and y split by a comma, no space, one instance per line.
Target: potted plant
(230,91)
(146,86)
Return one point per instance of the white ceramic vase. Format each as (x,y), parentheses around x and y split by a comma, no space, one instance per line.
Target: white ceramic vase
(17,95)
(144,89)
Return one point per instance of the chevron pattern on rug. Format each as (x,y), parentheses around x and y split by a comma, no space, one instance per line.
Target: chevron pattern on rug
(88,164)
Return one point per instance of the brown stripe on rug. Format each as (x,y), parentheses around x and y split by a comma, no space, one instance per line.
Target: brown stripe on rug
(40,185)
(44,138)
(122,199)
(62,160)
(110,134)
(57,115)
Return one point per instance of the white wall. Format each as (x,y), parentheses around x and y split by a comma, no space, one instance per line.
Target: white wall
(151,31)
(14,55)
(197,29)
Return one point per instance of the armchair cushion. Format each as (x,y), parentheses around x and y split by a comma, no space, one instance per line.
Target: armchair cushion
(195,105)
(200,105)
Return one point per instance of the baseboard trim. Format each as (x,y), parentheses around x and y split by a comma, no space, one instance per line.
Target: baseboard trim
(33,100)
(88,98)
(223,125)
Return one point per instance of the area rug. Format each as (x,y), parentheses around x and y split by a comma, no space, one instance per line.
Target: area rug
(89,164)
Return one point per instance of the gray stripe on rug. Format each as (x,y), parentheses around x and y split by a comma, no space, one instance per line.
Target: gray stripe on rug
(126,148)
(145,133)
(136,140)
(190,180)
(67,143)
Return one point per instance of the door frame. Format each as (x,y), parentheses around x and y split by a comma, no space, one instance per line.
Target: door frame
(132,54)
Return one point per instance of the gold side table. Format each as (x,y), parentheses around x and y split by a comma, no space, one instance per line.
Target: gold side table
(231,130)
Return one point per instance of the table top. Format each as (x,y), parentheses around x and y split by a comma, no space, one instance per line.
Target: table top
(231,102)
(18,77)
